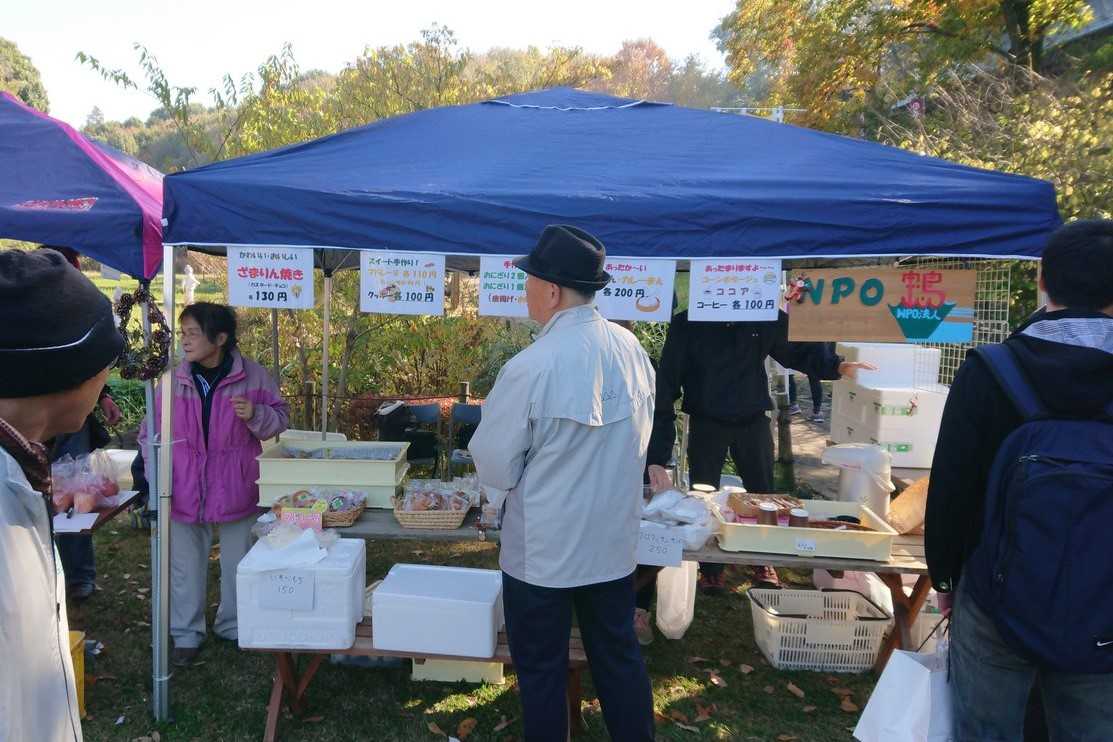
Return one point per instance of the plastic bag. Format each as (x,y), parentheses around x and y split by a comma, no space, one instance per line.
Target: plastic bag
(911,701)
(695,535)
(689,510)
(86,483)
(676,599)
(662,501)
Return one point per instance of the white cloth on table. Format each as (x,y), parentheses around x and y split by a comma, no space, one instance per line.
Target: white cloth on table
(562,444)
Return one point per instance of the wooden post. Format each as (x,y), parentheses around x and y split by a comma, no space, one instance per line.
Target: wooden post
(465,392)
(309,394)
(784,424)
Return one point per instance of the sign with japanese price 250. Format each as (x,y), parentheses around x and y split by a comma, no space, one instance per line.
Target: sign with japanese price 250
(401,282)
(659,547)
(738,290)
(640,290)
(271,277)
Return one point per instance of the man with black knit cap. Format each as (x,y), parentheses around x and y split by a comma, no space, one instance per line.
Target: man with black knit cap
(57,343)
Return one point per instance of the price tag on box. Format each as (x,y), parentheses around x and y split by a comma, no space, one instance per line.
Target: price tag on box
(805,546)
(659,548)
(290,590)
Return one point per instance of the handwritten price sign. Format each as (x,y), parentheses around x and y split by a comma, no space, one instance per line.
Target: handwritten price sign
(658,547)
(401,283)
(292,590)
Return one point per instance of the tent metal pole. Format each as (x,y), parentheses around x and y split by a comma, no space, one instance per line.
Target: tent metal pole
(324,355)
(150,468)
(161,691)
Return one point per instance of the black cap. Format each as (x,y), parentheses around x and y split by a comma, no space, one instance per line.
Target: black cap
(567,256)
(58,329)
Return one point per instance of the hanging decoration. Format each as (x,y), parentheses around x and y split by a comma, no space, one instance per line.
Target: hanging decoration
(142,360)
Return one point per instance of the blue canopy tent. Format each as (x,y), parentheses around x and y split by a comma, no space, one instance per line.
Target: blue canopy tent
(650,179)
(62,188)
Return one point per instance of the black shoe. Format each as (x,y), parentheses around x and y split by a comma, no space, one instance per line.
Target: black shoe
(81,591)
(183,656)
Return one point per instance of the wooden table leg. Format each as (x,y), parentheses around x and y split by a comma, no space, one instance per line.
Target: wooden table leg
(274,707)
(906,609)
(307,676)
(575,701)
(287,669)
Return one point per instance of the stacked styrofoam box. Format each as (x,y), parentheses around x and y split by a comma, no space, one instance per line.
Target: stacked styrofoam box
(326,619)
(898,407)
(450,611)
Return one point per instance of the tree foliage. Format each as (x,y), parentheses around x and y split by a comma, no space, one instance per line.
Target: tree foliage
(20,77)
(831,56)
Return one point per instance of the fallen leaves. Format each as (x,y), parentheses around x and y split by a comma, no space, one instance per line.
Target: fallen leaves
(466,727)
(745,669)
(795,690)
(808,709)
(503,724)
(842,692)
(697,660)
(436,729)
(768,689)
(716,679)
(704,713)
(848,705)
(787,738)
(677,715)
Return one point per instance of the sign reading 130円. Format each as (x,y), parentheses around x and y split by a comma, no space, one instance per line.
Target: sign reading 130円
(272,277)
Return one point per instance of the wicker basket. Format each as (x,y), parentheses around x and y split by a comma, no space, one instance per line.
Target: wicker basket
(330,519)
(440,520)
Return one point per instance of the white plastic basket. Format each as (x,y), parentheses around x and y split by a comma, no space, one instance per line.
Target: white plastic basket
(826,631)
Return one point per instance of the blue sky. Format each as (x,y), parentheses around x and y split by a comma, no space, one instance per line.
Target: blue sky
(199,41)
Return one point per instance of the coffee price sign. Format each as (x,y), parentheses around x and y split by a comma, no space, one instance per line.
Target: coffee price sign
(401,283)
(735,290)
(270,277)
(640,290)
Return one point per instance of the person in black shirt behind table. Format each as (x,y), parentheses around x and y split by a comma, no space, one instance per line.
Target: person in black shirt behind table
(719,369)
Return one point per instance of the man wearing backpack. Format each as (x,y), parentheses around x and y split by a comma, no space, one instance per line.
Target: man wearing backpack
(1020,506)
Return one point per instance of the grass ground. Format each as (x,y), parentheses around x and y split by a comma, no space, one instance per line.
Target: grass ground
(224,696)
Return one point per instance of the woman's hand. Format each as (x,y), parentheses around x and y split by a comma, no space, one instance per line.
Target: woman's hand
(245,409)
(111,410)
(849,369)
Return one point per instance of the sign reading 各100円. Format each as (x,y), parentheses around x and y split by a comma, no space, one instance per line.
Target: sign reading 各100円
(401,282)
(904,305)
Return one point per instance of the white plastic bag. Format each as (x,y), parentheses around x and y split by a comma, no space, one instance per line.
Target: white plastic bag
(865,583)
(911,701)
(676,599)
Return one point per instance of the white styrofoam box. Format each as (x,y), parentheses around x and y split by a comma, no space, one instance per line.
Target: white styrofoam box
(898,364)
(902,420)
(848,401)
(315,607)
(426,609)
(293,434)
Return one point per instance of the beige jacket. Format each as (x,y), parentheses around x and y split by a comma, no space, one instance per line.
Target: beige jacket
(562,447)
(38,698)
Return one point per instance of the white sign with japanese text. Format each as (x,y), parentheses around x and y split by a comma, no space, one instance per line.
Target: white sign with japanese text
(288,590)
(659,547)
(736,290)
(502,288)
(640,290)
(401,282)
(274,277)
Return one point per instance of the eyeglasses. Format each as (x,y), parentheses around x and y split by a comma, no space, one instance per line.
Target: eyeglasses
(190,334)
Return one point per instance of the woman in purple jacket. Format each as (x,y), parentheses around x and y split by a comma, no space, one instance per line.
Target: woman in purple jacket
(224,405)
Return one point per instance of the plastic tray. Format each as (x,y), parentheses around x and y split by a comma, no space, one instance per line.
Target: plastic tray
(379,497)
(276,468)
(816,542)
